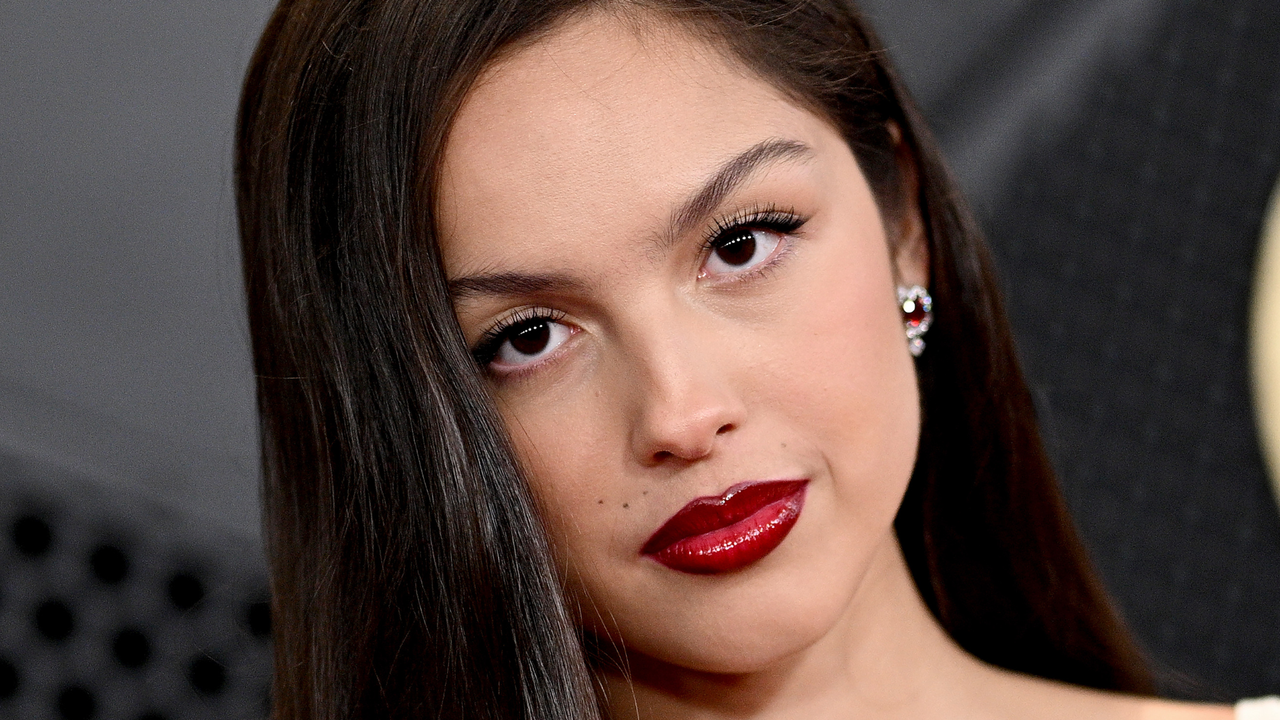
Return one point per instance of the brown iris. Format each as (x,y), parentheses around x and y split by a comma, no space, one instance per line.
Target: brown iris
(739,249)
(532,337)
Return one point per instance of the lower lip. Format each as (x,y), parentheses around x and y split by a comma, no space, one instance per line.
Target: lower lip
(737,545)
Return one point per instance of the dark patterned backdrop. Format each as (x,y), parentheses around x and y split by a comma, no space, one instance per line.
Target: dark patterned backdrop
(1126,241)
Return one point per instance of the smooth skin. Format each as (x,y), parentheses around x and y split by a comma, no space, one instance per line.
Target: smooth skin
(673,338)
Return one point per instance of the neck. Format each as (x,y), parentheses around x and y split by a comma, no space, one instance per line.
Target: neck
(886,657)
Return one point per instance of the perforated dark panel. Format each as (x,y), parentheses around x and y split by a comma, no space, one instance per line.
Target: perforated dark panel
(111,608)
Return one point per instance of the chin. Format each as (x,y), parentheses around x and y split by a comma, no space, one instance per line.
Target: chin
(745,622)
(749,653)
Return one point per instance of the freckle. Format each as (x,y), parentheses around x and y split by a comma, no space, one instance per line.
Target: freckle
(646,492)
(784,444)
(599,502)
(625,505)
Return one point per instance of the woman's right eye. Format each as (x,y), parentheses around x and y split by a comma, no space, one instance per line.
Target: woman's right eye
(527,342)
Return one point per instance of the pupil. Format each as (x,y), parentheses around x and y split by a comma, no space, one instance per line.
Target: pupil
(532,338)
(738,250)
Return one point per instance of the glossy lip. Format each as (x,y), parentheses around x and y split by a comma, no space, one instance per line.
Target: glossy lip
(729,532)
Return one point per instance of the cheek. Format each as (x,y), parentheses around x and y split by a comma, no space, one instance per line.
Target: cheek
(571,455)
(842,378)
(844,372)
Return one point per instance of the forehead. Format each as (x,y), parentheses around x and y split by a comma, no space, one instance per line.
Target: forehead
(600,126)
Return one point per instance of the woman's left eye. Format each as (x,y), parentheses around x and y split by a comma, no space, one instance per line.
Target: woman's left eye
(741,249)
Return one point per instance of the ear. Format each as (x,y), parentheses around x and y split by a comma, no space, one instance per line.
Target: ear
(907,238)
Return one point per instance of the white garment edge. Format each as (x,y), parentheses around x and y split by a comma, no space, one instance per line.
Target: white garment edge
(1267,708)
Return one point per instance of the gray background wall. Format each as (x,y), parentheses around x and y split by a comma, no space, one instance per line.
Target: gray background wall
(123,350)
(1118,152)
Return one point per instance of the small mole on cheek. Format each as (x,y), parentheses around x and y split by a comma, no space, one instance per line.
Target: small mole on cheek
(646,492)
(784,446)
(599,502)
(626,505)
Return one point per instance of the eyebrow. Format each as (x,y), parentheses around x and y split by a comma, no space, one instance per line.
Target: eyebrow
(511,284)
(727,178)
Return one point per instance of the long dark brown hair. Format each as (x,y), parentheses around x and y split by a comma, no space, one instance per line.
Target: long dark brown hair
(410,573)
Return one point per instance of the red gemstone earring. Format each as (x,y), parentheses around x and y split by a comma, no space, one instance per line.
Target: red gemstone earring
(917,315)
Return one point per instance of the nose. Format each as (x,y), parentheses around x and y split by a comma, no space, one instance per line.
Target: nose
(687,403)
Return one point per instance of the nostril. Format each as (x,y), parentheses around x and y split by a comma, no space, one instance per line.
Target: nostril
(725,428)
(662,456)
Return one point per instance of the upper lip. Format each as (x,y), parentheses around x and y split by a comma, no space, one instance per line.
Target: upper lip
(712,512)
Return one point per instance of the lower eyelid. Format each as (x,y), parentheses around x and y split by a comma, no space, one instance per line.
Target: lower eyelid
(784,248)
(518,370)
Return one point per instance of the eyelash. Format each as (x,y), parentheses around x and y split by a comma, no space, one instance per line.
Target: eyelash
(770,217)
(487,347)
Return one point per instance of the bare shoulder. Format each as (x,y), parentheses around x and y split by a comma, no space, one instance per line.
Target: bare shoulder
(1167,710)
(1025,696)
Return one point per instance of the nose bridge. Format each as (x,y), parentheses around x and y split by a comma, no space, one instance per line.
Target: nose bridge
(684,397)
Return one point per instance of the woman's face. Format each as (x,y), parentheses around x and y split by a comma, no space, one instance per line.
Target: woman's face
(679,282)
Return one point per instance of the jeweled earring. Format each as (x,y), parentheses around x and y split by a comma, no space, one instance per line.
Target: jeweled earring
(917,315)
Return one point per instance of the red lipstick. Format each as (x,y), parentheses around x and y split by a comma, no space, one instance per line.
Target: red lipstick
(729,532)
